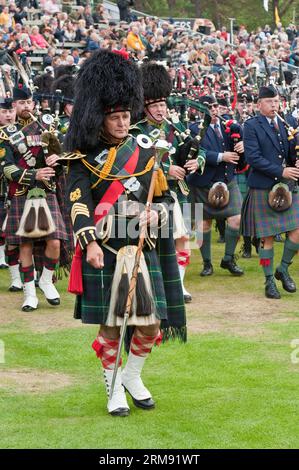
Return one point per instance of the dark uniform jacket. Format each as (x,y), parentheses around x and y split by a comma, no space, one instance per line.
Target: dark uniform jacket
(213,171)
(266,151)
(24,155)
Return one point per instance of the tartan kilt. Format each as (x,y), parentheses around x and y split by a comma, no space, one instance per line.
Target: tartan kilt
(2,216)
(15,214)
(233,208)
(93,305)
(260,220)
(242,183)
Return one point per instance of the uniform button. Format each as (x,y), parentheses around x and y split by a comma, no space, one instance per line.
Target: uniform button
(279,156)
(276,179)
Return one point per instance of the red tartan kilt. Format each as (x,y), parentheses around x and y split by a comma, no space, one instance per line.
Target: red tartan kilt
(14,216)
(2,216)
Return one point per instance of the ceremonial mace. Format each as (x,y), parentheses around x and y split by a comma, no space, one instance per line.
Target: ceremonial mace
(160,146)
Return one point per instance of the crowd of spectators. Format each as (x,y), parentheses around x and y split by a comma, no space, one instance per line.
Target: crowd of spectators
(150,37)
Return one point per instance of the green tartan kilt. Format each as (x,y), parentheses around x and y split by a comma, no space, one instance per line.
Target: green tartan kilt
(260,220)
(92,307)
(233,208)
(242,183)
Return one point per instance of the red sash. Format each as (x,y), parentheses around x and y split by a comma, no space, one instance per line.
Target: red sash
(114,191)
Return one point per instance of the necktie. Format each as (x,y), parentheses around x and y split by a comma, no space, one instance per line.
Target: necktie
(217,131)
(274,125)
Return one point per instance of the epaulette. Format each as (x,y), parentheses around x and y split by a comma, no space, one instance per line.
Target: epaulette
(135,126)
(251,119)
(68,156)
(3,135)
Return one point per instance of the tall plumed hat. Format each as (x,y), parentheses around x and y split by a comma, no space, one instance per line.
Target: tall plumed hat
(43,82)
(64,87)
(156,81)
(107,82)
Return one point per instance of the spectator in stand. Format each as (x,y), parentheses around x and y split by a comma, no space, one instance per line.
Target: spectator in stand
(6,18)
(124,9)
(77,15)
(76,55)
(81,32)
(48,58)
(69,31)
(134,41)
(38,39)
(88,16)
(93,42)
(100,15)
(50,7)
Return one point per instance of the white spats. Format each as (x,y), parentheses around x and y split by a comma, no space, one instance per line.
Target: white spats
(30,299)
(16,282)
(182,270)
(46,285)
(131,377)
(118,404)
(2,257)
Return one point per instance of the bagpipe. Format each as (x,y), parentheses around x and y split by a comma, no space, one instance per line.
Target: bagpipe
(234,133)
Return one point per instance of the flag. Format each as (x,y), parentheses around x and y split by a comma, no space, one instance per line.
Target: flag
(277,18)
(266,4)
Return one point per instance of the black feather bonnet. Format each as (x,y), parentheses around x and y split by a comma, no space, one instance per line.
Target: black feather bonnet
(156,81)
(105,83)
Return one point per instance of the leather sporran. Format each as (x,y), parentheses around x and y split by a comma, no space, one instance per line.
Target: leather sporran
(280,197)
(218,196)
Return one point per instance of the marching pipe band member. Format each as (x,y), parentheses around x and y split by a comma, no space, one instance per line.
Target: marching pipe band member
(157,87)
(8,117)
(218,190)
(272,203)
(108,182)
(244,110)
(34,214)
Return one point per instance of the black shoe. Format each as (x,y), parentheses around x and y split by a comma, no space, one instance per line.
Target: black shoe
(15,289)
(28,308)
(146,404)
(54,301)
(120,412)
(207,269)
(3,266)
(278,238)
(246,254)
(221,239)
(271,291)
(187,299)
(232,267)
(287,282)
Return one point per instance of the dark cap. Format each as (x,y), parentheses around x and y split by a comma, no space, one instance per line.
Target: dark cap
(208,100)
(21,94)
(267,92)
(5,103)
(242,96)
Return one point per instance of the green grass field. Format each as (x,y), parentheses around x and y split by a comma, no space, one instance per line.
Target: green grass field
(232,385)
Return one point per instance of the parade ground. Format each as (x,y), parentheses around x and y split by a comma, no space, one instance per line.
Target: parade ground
(234,384)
